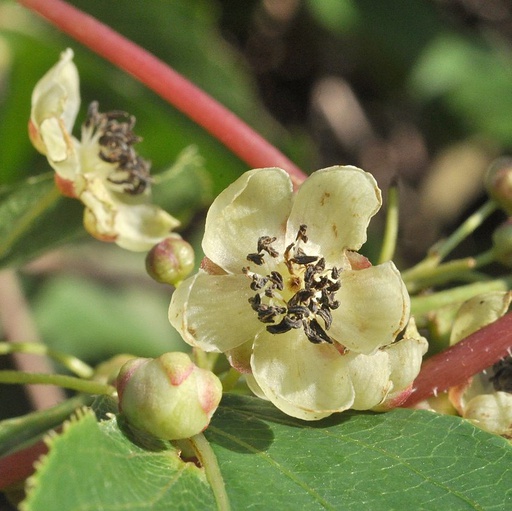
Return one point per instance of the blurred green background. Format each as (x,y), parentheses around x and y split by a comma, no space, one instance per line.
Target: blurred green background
(419,90)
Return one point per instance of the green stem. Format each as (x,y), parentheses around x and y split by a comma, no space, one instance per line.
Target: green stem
(391,229)
(465,229)
(485,258)
(208,461)
(67,382)
(70,362)
(441,250)
(423,304)
(423,277)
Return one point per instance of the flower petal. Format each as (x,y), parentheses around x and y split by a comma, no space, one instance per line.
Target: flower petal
(478,312)
(56,100)
(405,357)
(370,378)
(136,227)
(256,204)
(373,308)
(336,204)
(213,313)
(140,227)
(305,380)
(492,412)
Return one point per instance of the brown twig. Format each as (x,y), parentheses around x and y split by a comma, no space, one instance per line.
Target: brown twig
(18,325)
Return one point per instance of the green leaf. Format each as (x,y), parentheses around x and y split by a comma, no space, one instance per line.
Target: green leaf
(96,465)
(403,459)
(33,218)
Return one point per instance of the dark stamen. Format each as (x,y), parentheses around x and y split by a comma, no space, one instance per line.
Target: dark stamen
(315,333)
(315,288)
(116,138)
(256,259)
(286,324)
(301,235)
(264,244)
(502,378)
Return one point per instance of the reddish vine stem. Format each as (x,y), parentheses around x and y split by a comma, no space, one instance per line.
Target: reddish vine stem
(225,126)
(472,355)
(16,467)
(444,370)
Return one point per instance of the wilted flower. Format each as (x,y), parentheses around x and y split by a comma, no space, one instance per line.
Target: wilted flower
(102,169)
(486,398)
(169,397)
(285,295)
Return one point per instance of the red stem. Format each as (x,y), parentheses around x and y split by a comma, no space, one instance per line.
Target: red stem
(167,83)
(470,356)
(16,467)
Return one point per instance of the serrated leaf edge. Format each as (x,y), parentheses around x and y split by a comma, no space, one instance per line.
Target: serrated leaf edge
(31,484)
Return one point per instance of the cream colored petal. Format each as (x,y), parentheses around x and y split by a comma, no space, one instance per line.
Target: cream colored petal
(492,412)
(477,385)
(254,387)
(213,312)
(256,204)
(57,93)
(304,380)
(62,150)
(136,227)
(370,378)
(478,312)
(336,204)
(140,227)
(405,357)
(373,308)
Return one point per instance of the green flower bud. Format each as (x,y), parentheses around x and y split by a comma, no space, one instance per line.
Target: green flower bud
(169,397)
(170,261)
(498,182)
(502,243)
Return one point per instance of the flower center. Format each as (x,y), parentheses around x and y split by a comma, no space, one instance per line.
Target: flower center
(299,293)
(113,131)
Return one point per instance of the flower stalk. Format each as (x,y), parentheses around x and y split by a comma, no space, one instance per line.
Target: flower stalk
(60,380)
(74,364)
(391,229)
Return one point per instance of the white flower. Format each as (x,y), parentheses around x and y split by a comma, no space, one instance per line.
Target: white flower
(102,170)
(486,398)
(287,298)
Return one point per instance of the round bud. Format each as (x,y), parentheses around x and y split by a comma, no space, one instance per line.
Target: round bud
(169,397)
(170,261)
(502,243)
(498,182)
